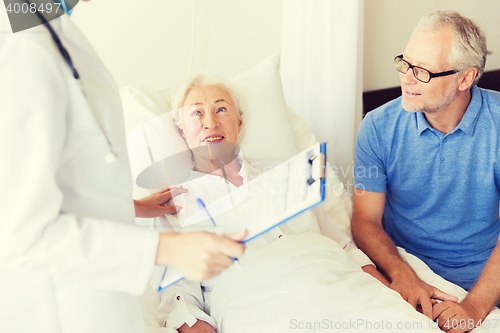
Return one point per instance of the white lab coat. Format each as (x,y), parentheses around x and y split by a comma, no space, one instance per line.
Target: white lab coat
(71,259)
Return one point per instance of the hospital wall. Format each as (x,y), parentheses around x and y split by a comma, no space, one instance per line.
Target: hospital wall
(155,42)
(388,25)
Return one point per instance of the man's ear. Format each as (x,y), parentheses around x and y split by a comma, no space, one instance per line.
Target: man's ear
(467,78)
(239,126)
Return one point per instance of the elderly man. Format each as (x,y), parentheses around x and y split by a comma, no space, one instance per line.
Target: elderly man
(428,173)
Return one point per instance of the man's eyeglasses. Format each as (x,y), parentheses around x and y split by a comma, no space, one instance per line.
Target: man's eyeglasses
(421,74)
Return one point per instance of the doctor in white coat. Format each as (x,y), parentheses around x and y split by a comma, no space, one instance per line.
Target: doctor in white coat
(71,258)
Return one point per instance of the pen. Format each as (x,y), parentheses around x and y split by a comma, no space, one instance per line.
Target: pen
(202,206)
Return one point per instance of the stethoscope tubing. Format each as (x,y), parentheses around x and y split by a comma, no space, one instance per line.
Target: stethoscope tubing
(67,58)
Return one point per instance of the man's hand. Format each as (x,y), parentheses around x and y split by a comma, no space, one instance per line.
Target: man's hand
(456,317)
(152,205)
(199,255)
(419,294)
(372,239)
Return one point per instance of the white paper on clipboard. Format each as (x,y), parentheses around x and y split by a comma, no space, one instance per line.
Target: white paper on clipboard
(273,198)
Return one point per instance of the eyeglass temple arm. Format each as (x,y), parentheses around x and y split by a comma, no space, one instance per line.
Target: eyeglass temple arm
(444,73)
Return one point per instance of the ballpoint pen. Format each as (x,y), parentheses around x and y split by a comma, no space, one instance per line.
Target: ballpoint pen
(202,206)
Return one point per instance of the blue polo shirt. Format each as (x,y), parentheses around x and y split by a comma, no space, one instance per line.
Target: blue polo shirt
(442,190)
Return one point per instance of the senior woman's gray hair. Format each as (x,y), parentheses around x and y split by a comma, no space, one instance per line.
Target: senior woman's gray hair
(180,92)
(469,45)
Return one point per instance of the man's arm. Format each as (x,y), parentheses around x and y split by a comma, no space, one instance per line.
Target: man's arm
(477,305)
(371,237)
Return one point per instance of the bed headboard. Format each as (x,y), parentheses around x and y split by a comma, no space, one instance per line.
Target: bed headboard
(375,98)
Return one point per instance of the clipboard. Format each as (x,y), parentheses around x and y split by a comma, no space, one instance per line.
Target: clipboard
(273,198)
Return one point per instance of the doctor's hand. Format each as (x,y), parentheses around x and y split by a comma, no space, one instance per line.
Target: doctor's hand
(419,294)
(199,255)
(152,205)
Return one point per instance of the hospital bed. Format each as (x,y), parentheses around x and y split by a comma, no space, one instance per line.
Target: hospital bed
(271,130)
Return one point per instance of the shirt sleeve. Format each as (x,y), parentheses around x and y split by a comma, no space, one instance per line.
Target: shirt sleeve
(370,170)
(183,303)
(497,172)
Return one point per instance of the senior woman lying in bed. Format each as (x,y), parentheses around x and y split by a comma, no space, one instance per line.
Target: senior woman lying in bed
(291,276)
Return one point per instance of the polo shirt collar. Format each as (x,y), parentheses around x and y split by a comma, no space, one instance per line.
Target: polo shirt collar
(469,120)
(422,123)
(468,123)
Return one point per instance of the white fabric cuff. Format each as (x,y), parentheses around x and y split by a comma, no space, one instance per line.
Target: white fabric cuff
(186,313)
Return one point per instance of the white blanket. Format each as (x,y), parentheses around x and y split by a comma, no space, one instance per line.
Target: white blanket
(308,283)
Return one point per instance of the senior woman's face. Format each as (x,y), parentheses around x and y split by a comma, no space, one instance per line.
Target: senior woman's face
(211,118)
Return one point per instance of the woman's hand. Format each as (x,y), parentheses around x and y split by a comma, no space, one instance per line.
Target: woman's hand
(152,205)
(199,255)
(376,274)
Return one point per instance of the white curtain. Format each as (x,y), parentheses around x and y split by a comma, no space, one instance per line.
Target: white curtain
(321,68)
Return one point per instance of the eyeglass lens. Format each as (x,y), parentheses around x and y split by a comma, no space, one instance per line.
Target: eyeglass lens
(420,74)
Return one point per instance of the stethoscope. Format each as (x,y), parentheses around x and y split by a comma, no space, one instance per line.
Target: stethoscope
(113,154)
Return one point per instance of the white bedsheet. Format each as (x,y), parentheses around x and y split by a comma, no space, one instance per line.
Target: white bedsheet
(307,281)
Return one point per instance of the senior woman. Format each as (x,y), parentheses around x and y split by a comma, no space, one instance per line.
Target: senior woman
(210,119)
(276,265)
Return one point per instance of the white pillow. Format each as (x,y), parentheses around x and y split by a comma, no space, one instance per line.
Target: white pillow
(267,130)
(338,203)
(272,131)
(159,156)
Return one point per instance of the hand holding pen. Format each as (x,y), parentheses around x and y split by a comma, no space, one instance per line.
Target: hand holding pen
(199,255)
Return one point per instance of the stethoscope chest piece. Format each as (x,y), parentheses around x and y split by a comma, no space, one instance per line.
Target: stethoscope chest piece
(111,157)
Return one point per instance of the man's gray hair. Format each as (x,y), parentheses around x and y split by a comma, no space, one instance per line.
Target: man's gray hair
(181,90)
(469,45)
